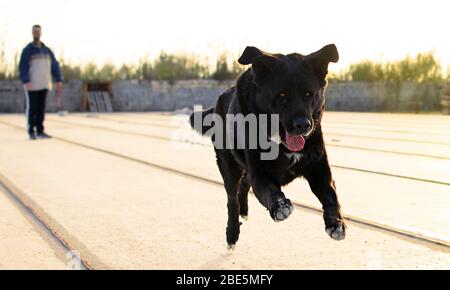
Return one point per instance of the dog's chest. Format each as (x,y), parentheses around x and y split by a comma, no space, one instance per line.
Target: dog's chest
(294,158)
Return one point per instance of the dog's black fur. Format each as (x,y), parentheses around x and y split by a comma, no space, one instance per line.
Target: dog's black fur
(292,86)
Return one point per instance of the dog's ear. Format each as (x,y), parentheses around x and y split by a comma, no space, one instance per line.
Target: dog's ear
(263,63)
(320,59)
(249,55)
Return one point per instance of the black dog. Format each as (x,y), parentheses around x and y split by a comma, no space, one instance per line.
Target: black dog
(291,87)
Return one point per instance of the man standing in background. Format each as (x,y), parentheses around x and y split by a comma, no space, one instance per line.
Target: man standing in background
(37,66)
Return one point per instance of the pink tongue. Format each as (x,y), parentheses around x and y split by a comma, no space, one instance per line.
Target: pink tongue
(295,143)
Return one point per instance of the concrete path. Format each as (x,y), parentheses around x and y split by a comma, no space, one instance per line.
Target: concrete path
(23,243)
(126,200)
(358,198)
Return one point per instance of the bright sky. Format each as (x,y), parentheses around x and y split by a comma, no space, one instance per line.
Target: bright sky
(123,31)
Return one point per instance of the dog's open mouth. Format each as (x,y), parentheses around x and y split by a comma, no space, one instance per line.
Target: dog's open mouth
(295,143)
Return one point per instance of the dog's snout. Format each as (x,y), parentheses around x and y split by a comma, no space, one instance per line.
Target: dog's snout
(301,125)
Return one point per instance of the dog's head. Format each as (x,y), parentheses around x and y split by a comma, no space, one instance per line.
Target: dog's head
(291,86)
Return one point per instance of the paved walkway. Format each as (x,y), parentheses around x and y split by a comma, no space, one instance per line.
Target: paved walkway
(118,190)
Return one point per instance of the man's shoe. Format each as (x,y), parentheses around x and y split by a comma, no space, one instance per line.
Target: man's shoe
(43,135)
(32,136)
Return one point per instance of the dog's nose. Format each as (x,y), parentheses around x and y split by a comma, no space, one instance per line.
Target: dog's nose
(301,125)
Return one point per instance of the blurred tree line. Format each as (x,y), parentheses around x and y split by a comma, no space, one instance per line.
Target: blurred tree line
(5,72)
(424,67)
(170,67)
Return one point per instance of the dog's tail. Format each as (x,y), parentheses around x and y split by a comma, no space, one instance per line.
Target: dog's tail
(196,120)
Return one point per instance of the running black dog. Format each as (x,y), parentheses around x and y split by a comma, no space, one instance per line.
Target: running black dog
(292,88)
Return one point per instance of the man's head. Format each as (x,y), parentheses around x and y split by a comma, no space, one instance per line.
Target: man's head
(291,86)
(36,32)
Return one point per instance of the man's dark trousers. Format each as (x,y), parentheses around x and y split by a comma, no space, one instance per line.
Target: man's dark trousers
(35,110)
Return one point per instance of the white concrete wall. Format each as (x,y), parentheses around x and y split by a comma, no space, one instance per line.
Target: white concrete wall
(163,96)
(12,97)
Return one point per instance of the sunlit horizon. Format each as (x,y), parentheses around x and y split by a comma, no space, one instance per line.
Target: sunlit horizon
(128,31)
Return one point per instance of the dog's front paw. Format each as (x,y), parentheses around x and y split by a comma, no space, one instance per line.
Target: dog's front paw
(337,231)
(281,209)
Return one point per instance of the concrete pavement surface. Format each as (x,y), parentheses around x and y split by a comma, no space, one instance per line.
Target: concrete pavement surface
(118,189)
(23,244)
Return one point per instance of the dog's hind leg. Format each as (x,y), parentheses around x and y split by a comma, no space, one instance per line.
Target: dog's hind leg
(244,188)
(232,174)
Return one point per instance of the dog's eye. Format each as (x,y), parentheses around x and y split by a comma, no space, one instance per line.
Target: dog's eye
(282,94)
(308,94)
